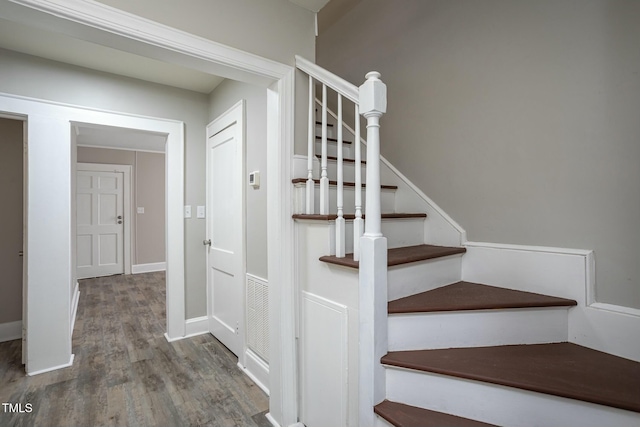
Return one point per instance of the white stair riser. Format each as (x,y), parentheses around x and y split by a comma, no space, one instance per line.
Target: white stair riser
(477,328)
(332,149)
(331,132)
(416,277)
(398,231)
(348,171)
(387,199)
(381,422)
(497,404)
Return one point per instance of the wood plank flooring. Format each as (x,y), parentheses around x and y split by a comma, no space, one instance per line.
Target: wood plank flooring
(125,373)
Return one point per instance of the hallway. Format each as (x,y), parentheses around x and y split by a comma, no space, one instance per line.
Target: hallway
(125,373)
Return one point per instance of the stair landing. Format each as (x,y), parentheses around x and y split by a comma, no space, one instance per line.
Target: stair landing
(560,369)
(473,296)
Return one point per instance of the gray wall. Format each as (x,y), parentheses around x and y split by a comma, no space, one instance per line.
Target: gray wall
(11,220)
(519,118)
(221,99)
(39,78)
(148,174)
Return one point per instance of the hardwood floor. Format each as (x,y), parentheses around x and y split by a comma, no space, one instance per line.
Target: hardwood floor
(125,373)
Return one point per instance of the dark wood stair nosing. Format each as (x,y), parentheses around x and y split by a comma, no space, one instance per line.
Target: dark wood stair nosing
(334,140)
(400,256)
(319,156)
(560,369)
(346,184)
(328,124)
(333,217)
(465,296)
(402,415)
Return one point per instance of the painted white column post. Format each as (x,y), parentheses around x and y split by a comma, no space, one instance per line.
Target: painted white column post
(340,225)
(324,178)
(358,222)
(373,261)
(309,208)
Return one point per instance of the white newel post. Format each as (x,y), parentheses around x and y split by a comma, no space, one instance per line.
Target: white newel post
(373,260)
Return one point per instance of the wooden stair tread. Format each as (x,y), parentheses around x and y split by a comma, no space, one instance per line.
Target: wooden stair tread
(346,184)
(473,296)
(404,255)
(401,415)
(316,217)
(334,140)
(319,156)
(328,124)
(560,369)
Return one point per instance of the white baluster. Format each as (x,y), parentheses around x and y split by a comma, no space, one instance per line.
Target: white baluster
(373,334)
(312,127)
(358,222)
(340,227)
(324,179)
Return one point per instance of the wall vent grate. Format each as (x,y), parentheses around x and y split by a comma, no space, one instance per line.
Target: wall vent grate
(258,316)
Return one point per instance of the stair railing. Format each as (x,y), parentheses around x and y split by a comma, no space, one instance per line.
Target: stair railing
(370,247)
(350,92)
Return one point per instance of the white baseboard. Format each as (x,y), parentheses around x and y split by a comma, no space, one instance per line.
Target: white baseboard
(270,418)
(256,369)
(196,326)
(42,371)
(10,331)
(74,306)
(148,268)
(193,327)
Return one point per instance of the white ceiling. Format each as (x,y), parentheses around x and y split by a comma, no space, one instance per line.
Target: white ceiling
(59,47)
(63,48)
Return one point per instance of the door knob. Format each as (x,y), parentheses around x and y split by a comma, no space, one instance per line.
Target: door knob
(207,242)
(119,221)
(119,216)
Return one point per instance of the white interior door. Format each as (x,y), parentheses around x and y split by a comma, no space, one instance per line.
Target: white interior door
(225,231)
(100,219)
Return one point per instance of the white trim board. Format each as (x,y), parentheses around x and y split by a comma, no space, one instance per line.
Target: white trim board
(10,331)
(566,273)
(148,268)
(74,306)
(196,326)
(53,368)
(256,369)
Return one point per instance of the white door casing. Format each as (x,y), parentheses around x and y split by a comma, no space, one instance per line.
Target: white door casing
(103,220)
(225,229)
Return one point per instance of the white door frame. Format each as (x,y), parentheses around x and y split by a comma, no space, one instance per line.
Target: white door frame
(96,22)
(233,116)
(128,192)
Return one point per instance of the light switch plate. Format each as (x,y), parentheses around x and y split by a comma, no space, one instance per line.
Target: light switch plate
(187,211)
(200,212)
(140,210)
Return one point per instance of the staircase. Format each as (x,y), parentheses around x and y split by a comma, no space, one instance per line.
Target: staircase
(458,353)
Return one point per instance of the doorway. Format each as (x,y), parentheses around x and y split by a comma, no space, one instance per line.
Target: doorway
(103,219)
(226,229)
(11,227)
